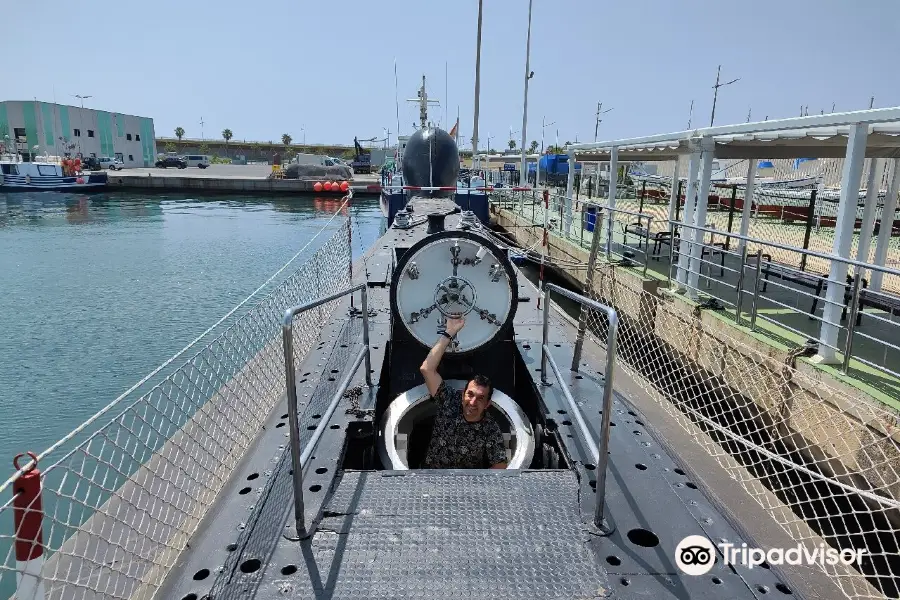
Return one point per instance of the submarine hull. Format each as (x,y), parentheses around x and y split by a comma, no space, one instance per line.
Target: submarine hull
(431,159)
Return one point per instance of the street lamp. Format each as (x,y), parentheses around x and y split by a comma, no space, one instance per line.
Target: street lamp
(544,125)
(716,93)
(600,111)
(81,118)
(511,134)
(82,98)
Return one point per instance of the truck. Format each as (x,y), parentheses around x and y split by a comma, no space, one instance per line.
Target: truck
(554,169)
(362,162)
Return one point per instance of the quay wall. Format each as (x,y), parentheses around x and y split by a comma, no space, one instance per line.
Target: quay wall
(838,429)
(175,183)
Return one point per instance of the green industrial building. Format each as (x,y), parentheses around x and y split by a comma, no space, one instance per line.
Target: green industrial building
(29,128)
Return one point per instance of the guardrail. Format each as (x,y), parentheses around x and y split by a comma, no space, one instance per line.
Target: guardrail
(749,269)
(155,460)
(601,454)
(594,217)
(723,268)
(299,459)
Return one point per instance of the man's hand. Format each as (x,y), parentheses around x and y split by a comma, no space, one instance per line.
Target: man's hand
(455,324)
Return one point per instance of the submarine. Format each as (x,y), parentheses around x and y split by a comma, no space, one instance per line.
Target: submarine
(300,475)
(429,168)
(347,511)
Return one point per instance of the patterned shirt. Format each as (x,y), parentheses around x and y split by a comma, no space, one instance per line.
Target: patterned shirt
(458,444)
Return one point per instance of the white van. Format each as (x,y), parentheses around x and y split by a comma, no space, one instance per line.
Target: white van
(197,160)
(312,159)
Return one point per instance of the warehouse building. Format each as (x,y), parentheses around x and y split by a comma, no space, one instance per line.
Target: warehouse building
(31,128)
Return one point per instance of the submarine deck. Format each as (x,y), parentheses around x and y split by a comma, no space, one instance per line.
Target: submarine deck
(459,534)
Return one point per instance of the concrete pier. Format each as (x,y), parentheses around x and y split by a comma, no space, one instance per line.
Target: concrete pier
(239,179)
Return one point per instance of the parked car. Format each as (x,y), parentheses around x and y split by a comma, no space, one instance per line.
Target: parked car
(196,160)
(90,163)
(171,161)
(113,164)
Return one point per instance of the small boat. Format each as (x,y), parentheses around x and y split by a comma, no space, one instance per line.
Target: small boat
(48,175)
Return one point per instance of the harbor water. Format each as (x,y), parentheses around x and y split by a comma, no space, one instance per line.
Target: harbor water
(96,291)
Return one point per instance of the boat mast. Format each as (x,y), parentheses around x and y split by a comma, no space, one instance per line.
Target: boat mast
(477,88)
(423,104)
(528,74)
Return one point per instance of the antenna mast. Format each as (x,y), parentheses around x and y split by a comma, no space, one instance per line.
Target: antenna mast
(423,104)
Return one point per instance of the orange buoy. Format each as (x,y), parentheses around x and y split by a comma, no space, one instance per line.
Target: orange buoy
(79,180)
(318,186)
(327,186)
(345,186)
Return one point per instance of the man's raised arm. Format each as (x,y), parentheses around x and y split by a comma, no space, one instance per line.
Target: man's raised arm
(429,367)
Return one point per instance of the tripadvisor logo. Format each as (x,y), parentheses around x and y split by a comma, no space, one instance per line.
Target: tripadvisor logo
(695,555)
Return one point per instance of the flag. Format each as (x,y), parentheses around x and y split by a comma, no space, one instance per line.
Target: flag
(455,127)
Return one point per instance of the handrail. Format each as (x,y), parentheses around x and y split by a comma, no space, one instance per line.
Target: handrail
(298,460)
(601,454)
(848,261)
(854,290)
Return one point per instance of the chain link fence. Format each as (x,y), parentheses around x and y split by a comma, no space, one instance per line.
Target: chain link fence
(824,465)
(124,492)
(800,217)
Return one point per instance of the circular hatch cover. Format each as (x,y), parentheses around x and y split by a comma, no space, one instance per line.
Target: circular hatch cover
(454,273)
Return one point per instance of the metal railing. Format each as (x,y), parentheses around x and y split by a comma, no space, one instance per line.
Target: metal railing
(559,217)
(752,266)
(601,454)
(154,461)
(725,266)
(298,459)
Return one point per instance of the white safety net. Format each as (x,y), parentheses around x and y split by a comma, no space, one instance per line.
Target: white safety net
(823,462)
(124,492)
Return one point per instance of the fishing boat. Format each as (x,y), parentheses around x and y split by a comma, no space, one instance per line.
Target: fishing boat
(48,174)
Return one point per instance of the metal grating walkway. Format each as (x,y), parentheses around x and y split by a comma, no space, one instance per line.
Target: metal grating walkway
(462,535)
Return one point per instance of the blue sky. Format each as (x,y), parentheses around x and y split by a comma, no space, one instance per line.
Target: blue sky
(267,68)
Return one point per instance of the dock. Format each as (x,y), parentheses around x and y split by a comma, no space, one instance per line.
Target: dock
(765,334)
(224,179)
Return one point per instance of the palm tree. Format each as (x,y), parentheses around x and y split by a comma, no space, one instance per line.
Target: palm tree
(226,133)
(533,147)
(179,133)
(512,144)
(286,139)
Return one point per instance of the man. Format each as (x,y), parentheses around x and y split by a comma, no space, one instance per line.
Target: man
(465,436)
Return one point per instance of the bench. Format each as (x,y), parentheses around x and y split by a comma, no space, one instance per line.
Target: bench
(889,303)
(640,231)
(664,237)
(785,273)
(820,283)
